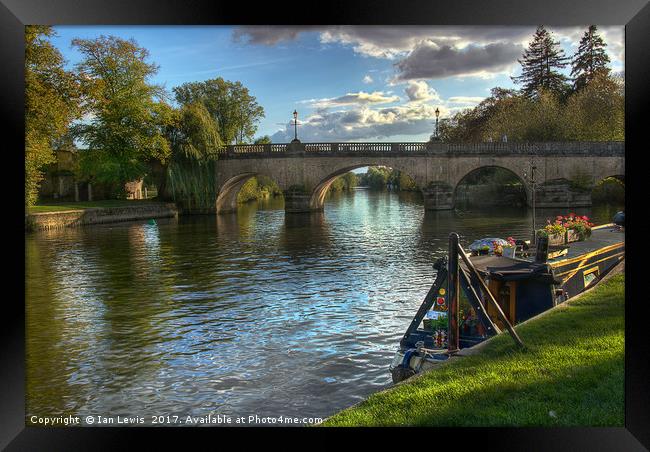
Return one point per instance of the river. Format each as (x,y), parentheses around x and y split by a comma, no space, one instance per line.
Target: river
(253,313)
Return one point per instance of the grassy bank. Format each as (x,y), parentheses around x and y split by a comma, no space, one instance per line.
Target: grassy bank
(571,374)
(59,207)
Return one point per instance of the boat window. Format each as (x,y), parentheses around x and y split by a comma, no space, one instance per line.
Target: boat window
(590,275)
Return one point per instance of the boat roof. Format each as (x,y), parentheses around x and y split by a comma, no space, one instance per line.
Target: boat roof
(516,268)
(601,237)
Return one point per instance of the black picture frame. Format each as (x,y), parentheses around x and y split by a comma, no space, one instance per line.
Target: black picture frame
(634,14)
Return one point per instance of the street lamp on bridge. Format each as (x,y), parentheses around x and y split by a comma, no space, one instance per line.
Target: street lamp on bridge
(435,136)
(295,127)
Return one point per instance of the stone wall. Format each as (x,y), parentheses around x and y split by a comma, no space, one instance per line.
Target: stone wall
(74,218)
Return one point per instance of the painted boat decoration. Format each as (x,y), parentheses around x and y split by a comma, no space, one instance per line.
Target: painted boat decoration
(476,297)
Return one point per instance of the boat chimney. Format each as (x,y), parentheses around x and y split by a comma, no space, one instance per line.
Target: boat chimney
(541,253)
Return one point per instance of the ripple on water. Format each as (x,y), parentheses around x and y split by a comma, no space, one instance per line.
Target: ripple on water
(256,313)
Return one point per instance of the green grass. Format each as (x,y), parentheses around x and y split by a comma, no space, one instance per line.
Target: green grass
(570,374)
(58,207)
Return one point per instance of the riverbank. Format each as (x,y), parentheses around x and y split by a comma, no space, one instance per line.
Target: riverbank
(56,216)
(571,374)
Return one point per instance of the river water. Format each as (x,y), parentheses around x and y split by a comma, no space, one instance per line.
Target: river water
(253,313)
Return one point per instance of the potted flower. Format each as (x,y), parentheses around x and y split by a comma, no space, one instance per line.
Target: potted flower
(578,227)
(509,249)
(555,232)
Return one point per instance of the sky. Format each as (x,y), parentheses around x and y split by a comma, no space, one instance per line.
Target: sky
(347,83)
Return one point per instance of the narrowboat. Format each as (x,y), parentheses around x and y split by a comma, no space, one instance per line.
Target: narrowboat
(477,296)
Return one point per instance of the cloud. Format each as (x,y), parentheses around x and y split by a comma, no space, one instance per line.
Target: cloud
(269,34)
(419,91)
(385,41)
(360,98)
(362,123)
(465,100)
(367,79)
(430,61)
(483,50)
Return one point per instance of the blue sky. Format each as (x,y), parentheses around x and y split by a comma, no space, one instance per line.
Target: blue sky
(348,83)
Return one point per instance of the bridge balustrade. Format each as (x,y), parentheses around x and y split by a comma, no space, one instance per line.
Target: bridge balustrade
(614,148)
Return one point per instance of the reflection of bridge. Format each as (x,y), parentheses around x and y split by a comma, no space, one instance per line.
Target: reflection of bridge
(305,171)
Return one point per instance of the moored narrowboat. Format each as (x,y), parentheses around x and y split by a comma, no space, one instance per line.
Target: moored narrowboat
(476,297)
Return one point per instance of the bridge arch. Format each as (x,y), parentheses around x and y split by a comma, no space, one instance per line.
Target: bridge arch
(227,194)
(525,187)
(318,194)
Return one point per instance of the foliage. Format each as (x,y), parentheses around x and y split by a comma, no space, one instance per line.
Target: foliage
(230,104)
(610,190)
(258,187)
(378,177)
(561,224)
(125,129)
(580,224)
(192,133)
(540,66)
(263,140)
(193,137)
(250,191)
(524,119)
(469,125)
(597,111)
(551,229)
(345,182)
(574,356)
(590,59)
(546,109)
(51,103)
(192,183)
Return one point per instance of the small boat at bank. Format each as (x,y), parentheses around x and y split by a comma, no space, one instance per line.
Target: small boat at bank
(478,296)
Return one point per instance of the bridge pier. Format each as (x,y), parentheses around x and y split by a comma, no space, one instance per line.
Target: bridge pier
(561,194)
(297,200)
(438,196)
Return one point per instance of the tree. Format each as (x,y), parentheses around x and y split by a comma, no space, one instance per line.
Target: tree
(597,111)
(540,65)
(263,140)
(193,138)
(469,125)
(590,59)
(128,119)
(51,104)
(235,111)
(525,119)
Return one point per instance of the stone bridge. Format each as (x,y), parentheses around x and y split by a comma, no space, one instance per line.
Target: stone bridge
(305,171)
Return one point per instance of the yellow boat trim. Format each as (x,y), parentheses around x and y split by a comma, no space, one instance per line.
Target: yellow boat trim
(580,267)
(593,253)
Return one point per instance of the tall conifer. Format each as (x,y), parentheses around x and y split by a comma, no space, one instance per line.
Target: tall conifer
(540,65)
(589,59)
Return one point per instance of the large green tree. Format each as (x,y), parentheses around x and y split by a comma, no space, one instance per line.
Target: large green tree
(51,104)
(469,125)
(194,140)
(590,59)
(541,64)
(124,131)
(597,111)
(234,109)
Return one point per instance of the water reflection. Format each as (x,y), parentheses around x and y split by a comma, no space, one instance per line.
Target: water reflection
(257,312)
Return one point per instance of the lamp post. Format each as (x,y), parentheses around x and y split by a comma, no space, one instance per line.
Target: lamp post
(437,116)
(295,127)
(533,168)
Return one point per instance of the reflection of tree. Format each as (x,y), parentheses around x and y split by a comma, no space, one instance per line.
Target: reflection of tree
(45,363)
